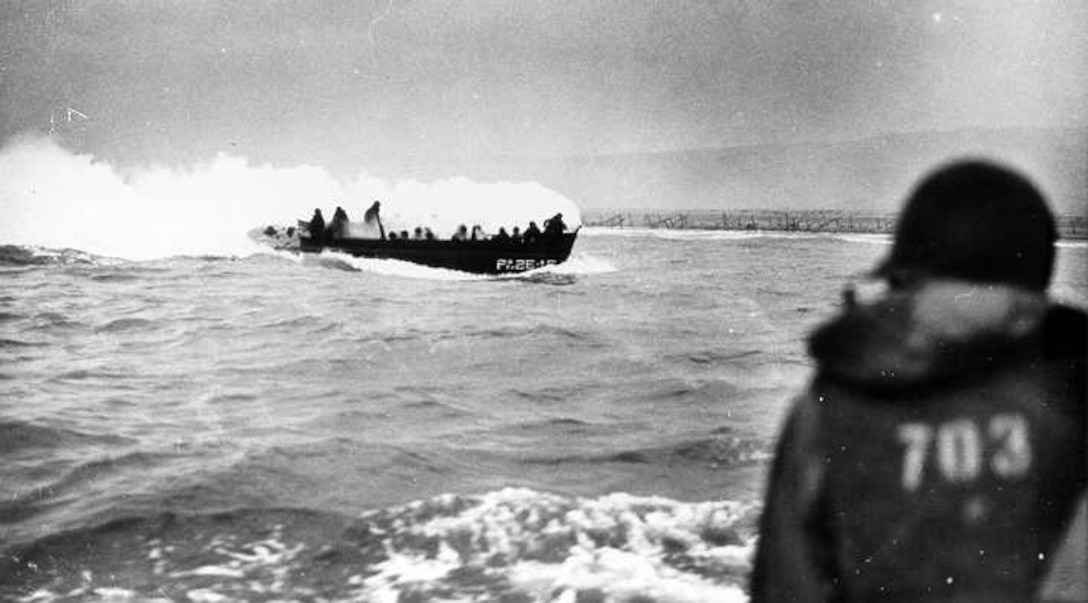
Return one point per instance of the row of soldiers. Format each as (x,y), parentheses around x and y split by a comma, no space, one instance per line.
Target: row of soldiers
(553,228)
(337,228)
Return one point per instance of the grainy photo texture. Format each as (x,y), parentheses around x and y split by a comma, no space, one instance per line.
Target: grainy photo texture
(541,301)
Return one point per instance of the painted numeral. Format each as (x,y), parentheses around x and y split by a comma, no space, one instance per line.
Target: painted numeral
(916,437)
(960,449)
(1013,456)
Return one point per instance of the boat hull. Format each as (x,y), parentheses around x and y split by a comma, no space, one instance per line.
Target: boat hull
(480,257)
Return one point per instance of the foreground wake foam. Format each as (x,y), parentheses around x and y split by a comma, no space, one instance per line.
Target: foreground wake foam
(513,544)
(618,547)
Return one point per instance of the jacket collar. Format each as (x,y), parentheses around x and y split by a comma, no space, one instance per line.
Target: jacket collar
(932,332)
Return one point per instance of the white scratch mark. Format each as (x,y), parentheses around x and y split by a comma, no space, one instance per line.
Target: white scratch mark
(370,32)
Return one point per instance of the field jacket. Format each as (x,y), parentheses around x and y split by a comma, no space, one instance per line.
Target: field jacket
(937,455)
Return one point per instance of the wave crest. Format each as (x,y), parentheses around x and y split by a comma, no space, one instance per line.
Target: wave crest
(515,544)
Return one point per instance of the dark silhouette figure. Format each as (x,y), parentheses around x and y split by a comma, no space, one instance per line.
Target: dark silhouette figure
(461,234)
(502,238)
(428,234)
(532,234)
(939,452)
(317,226)
(554,226)
(372,216)
(417,234)
(338,226)
(515,236)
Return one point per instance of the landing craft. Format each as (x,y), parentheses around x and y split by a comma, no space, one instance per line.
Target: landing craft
(487,256)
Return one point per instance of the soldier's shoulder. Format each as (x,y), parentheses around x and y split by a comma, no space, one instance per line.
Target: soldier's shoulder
(1065,331)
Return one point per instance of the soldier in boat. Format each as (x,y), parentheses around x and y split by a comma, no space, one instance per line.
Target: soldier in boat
(554,226)
(339,225)
(317,225)
(532,233)
(371,218)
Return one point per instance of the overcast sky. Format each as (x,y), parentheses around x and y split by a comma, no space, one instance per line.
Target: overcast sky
(343,82)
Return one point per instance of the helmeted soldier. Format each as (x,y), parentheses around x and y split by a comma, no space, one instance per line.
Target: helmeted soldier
(939,452)
(372,218)
(317,226)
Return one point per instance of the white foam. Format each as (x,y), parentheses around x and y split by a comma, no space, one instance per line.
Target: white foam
(51,197)
(581,263)
(390,267)
(99,594)
(552,547)
(621,576)
(577,264)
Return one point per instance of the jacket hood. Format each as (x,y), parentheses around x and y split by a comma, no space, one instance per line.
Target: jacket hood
(943,330)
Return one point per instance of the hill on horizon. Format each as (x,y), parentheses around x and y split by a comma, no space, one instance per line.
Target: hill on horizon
(871,174)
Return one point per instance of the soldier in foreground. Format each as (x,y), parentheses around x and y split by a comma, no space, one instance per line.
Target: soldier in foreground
(939,452)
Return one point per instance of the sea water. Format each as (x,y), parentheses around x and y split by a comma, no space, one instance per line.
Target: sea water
(267,426)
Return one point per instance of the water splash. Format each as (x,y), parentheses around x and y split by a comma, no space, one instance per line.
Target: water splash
(582,263)
(553,548)
(51,197)
(579,264)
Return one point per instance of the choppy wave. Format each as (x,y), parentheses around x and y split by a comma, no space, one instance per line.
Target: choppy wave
(14,344)
(512,544)
(26,435)
(723,449)
(19,255)
(299,396)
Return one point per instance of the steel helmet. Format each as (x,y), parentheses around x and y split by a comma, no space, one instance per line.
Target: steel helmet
(977,221)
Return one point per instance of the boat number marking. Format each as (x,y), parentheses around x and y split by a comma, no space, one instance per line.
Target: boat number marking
(518,265)
(959,447)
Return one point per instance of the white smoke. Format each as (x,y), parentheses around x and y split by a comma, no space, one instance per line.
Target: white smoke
(52,197)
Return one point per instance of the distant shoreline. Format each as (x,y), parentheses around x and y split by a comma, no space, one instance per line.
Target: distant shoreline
(1070,227)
